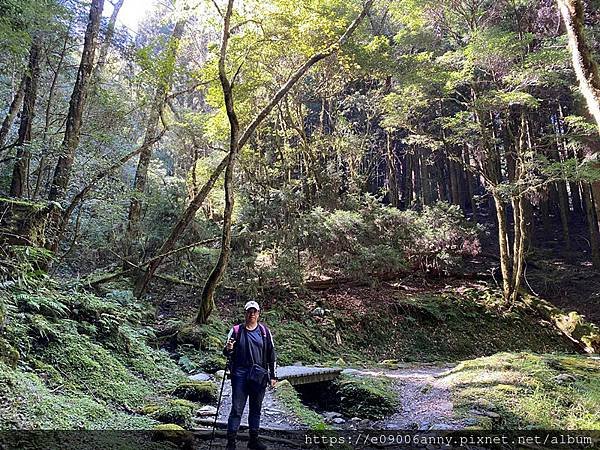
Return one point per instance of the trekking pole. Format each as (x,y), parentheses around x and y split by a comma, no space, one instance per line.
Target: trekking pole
(219,403)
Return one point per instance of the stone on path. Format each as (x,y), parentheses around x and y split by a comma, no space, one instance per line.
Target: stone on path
(207,411)
(200,377)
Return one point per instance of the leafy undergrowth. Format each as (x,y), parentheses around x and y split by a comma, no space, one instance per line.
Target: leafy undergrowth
(71,360)
(525,390)
(360,326)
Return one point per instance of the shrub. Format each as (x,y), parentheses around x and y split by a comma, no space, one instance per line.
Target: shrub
(358,238)
(379,240)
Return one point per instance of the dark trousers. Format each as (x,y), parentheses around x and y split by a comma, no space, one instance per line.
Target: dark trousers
(239,394)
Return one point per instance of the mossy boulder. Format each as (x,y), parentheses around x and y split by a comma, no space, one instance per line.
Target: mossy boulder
(193,361)
(149,409)
(196,391)
(8,354)
(289,397)
(209,336)
(191,334)
(179,412)
(168,427)
(212,363)
(366,397)
(174,433)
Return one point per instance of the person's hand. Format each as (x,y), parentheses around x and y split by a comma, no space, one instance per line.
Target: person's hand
(273,383)
(229,345)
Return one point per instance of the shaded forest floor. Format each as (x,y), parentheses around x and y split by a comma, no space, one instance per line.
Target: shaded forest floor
(72,359)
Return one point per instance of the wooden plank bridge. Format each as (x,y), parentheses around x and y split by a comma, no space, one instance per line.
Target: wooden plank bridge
(305,375)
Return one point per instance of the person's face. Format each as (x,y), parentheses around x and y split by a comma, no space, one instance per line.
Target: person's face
(252,315)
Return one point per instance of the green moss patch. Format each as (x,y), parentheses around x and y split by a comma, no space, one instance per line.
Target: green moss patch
(366,325)
(83,361)
(179,412)
(197,391)
(288,396)
(527,390)
(27,403)
(365,397)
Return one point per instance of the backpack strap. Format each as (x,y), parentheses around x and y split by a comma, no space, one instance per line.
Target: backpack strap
(263,329)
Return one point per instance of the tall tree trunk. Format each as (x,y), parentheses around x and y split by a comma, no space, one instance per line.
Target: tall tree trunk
(592,222)
(237,142)
(392,169)
(586,69)
(470,184)
(425,179)
(110,31)
(62,172)
(416,177)
(13,109)
(505,260)
(133,254)
(49,103)
(18,185)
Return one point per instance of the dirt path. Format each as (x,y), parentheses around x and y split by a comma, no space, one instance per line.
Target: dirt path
(274,415)
(425,403)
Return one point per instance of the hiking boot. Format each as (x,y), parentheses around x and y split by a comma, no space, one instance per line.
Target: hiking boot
(230,441)
(254,443)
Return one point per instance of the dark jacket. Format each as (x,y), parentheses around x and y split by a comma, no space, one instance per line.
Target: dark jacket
(268,357)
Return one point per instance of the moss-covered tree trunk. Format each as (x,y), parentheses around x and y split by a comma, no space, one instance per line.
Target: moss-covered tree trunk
(13,109)
(20,176)
(62,172)
(586,70)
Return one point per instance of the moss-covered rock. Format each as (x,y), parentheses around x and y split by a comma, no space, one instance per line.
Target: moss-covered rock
(174,433)
(168,427)
(8,354)
(209,336)
(179,412)
(197,391)
(192,360)
(149,409)
(288,396)
(366,397)
(211,363)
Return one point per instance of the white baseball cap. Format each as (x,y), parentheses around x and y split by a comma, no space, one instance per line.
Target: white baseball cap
(251,304)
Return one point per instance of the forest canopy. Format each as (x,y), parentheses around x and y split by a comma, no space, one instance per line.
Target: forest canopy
(350,138)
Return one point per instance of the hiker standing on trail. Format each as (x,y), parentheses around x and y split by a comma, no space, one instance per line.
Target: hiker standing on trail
(253,367)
